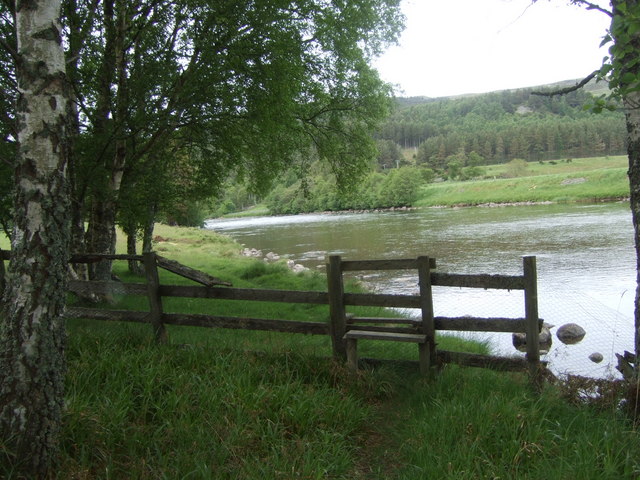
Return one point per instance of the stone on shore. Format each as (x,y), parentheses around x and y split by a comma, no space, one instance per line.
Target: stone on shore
(570,333)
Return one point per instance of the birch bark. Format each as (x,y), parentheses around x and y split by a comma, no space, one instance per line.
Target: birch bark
(32,334)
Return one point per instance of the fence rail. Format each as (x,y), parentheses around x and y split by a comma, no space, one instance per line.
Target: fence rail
(422,330)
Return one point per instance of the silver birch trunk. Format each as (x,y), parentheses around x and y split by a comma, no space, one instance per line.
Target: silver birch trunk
(625,38)
(32,334)
(632,113)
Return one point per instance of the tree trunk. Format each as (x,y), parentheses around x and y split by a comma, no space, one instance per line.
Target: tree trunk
(100,237)
(632,113)
(32,330)
(625,74)
(147,234)
(76,187)
(131,232)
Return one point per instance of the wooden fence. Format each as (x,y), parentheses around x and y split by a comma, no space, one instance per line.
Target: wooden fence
(344,328)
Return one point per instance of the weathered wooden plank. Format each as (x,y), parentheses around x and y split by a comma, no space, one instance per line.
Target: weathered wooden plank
(352,354)
(460,324)
(531,314)
(109,315)
(190,273)
(245,323)
(96,257)
(478,324)
(85,257)
(389,336)
(483,361)
(381,300)
(351,320)
(154,296)
(501,282)
(384,328)
(426,308)
(337,312)
(248,294)
(107,288)
(507,364)
(397,264)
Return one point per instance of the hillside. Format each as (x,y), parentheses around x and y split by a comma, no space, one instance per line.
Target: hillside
(503,125)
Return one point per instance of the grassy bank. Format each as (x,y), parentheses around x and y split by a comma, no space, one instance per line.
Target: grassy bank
(581,180)
(217,404)
(593,179)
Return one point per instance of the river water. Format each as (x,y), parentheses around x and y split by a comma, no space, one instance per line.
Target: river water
(585,258)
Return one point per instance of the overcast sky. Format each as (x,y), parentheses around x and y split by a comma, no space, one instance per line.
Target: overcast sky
(452,47)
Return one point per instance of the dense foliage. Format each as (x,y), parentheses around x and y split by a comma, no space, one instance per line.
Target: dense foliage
(504,125)
(396,188)
(171,97)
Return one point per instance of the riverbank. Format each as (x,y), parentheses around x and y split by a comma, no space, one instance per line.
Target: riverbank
(218,404)
(581,180)
(584,187)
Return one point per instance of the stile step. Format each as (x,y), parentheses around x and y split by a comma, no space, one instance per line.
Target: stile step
(390,336)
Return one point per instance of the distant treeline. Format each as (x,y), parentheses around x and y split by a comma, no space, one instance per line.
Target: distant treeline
(504,125)
(447,138)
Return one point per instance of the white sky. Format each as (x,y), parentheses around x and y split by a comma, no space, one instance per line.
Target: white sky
(452,47)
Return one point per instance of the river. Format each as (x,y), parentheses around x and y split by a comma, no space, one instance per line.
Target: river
(585,257)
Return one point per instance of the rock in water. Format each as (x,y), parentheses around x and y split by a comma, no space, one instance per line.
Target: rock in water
(570,333)
(596,357)
(544,340)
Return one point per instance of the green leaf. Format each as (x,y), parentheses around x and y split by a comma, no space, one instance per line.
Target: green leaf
(634,28)
(606,39)
(628,78)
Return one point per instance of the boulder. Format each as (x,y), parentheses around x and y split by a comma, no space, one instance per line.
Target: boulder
(251,252)
(596,357)
(296,267)
(272,257)
(570,333)
(544,339)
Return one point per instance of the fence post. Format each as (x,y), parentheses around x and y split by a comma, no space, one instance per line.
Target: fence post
(155,300)
(531,315)
(337,314)
(426,305)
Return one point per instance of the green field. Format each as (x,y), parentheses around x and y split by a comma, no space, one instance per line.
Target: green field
(580,180)
(217,404)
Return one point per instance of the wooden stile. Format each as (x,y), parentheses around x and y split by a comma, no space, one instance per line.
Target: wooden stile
(352,337)
(344,329)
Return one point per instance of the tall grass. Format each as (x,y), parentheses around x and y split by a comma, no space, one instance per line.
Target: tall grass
(135,410)
(484,425)
(216,404)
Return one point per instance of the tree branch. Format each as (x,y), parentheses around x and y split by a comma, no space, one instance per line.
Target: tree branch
(573,88)
(592,6)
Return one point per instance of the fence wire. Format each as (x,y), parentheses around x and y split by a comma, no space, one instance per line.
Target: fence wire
(608,330)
